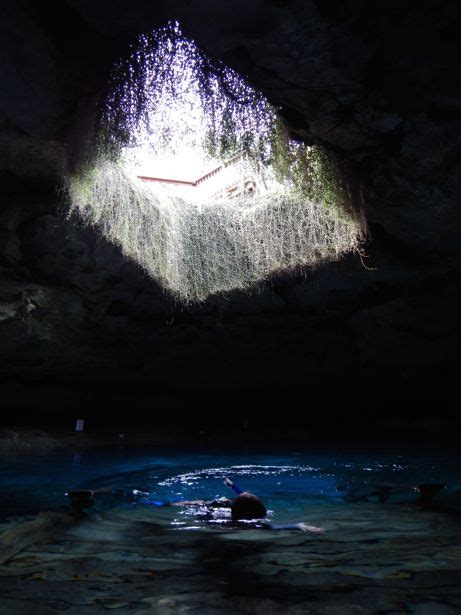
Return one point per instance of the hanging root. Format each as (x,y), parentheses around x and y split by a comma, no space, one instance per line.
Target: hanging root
(171,109)
(197,249)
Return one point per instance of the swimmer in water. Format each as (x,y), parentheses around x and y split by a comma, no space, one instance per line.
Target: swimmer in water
(246,507)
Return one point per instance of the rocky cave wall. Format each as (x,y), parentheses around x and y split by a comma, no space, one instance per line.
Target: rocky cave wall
(376,82)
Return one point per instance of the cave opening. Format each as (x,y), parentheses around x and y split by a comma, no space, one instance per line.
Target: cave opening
(196,178)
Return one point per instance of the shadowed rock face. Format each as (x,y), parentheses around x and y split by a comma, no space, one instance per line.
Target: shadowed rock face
(79,324)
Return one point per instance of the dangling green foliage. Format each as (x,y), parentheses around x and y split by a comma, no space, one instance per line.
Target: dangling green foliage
(171,112)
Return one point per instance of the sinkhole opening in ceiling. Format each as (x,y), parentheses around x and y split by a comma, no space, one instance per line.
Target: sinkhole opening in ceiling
(194,176)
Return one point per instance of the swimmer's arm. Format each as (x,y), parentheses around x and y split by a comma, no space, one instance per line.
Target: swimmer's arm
(303,527)
(164,503)
(221,503)
(186,503)
(232,486)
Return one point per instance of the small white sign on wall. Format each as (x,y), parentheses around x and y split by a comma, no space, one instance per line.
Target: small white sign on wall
(79,425)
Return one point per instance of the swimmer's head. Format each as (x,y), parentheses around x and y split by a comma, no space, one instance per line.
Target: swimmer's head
(247,506)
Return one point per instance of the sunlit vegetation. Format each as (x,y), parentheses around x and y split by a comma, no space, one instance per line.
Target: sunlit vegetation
(195,178)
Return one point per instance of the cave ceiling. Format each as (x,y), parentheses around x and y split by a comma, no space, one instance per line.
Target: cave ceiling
(375,83)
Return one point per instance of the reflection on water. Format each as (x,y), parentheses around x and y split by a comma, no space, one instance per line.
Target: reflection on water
(286,483)
(376,556)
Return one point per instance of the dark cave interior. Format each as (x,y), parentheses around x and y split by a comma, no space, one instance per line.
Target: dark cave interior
(328,392)
(368,345)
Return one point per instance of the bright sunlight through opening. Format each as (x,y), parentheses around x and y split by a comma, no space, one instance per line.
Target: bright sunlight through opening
(197,180)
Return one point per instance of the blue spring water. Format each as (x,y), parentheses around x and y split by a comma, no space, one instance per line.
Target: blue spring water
(285,481)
